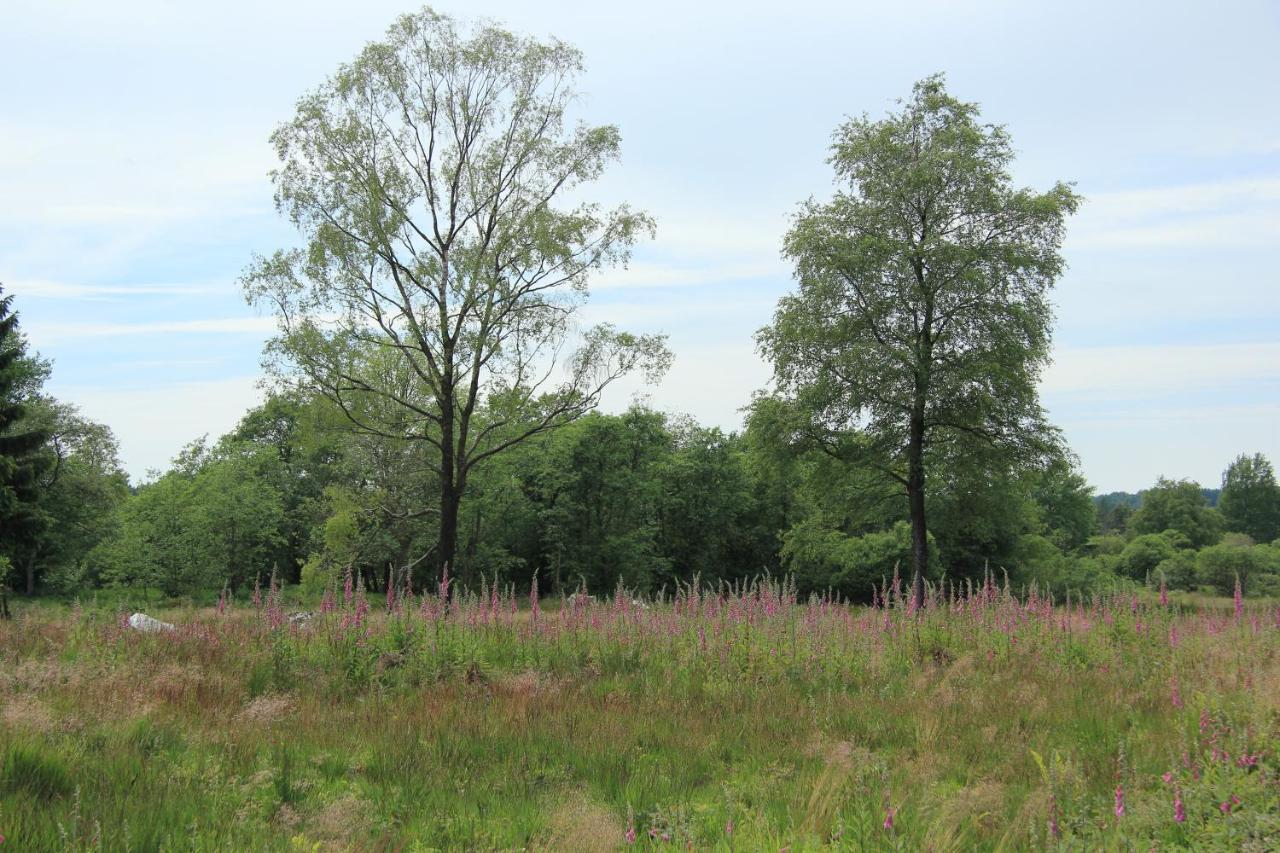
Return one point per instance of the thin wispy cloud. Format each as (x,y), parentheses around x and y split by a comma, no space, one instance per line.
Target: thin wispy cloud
(1220,215)
(1139,371)
(43,334)
(94,292)
(645,275)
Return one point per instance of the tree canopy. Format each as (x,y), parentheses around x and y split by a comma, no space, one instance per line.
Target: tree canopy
(444,262)
(922,318)
(1250,498)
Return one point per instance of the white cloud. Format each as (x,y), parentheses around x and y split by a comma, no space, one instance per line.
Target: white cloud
(641,275)
(710,382)
(154,422)
(38,289)
(44,334)
(1140,371)
(1223,214)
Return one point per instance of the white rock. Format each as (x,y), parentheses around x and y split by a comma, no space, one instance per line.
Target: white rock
(143,622)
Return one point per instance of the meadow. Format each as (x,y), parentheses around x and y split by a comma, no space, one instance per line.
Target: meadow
(715,719)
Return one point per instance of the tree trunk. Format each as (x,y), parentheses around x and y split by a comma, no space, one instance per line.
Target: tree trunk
(31,575)
(915,500)
(450,493)
(450,498)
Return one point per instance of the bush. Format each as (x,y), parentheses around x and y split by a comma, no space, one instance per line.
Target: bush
(1179,571)
(1220,565)
(1060,574)
(822,558)
(1141,556)
(1110,544)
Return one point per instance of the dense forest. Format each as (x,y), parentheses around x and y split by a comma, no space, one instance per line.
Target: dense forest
(643,499)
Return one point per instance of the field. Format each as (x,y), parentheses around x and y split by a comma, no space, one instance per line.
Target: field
(737,719)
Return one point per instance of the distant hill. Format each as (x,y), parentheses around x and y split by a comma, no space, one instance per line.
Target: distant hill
(1134,499)
(1111,499)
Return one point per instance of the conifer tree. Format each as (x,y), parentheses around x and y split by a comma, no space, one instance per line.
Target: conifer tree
(20,458)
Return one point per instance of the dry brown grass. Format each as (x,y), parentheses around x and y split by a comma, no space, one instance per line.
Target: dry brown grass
(265,710)
(343,824)
(579,825)
(28,712)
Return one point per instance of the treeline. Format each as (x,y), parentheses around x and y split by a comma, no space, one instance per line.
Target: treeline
(640,498)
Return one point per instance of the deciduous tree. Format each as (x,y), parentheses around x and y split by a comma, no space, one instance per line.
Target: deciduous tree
(922,316)
(432,180)
(1250,499)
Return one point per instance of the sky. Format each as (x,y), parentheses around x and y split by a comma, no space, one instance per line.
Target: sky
(134,191)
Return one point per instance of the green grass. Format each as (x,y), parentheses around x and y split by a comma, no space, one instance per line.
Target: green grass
(800,728)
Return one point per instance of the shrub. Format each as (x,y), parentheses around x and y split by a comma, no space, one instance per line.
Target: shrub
(1141,556)
(1220,565)
(1179,571)
(822,558)
(1061,574)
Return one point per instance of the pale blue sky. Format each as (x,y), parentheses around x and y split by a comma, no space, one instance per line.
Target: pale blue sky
(133,190)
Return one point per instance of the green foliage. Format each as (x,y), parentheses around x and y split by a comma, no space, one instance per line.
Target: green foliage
(1040,562)
(1178,505)
(80,494)
(922,315)
(212,521)
(1250,499)
(824,559)
(22,465)
(1144,554)
(435,181)
(1180,571)
(1065,503)
(1220,565)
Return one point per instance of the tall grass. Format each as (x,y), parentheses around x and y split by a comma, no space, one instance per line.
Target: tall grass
(733,718)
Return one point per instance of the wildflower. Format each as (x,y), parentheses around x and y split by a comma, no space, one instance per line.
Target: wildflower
(888,819)
(1179,813)
(1174,696)
(1164,594)
(1239,599)
(1119,801)
(1225,807)
(1167,777)
(631,834)
(728,827)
